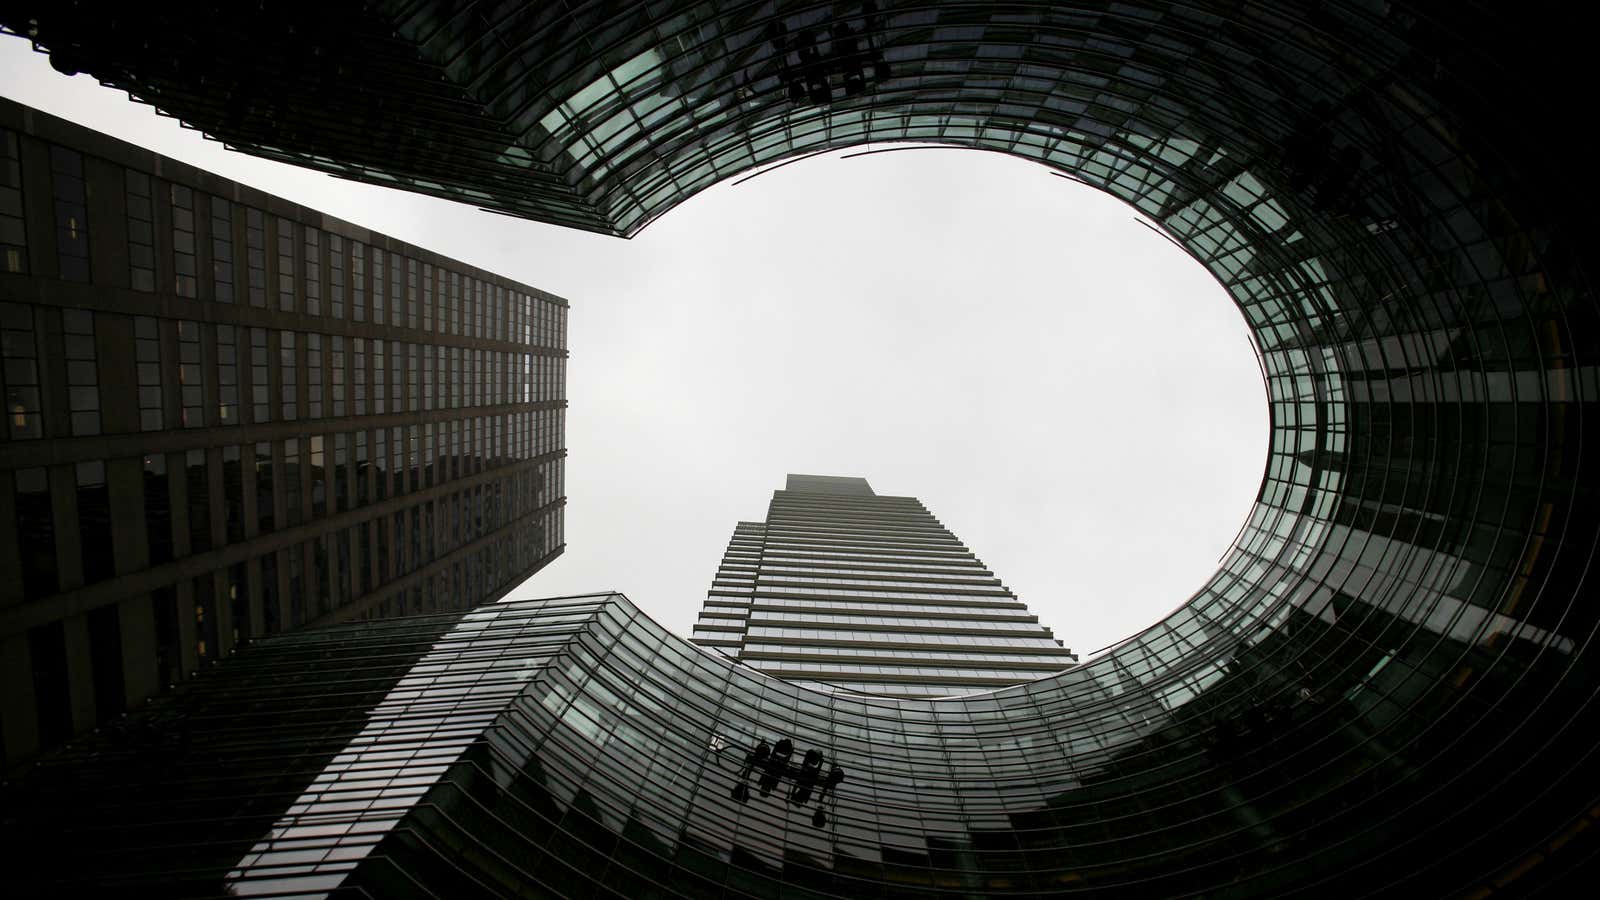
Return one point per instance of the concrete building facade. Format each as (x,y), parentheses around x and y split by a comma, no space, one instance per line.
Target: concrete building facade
(228,416)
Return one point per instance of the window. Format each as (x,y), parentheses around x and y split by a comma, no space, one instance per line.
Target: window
(36,533)
(18,350)
(260,404)
(233,493)
(13,230)
(411,293)
(265,519)
(313,263)
(336,285)
(72,213)
(396,373)
(341,471)
(475,322)
(203,592)
(428,455)
(141,232)
(379,377)
(83,375)
(94,521)
(413,365)
(397,456)
(291,482)
(336,372)
(455,303)
(183,242)
(288,368)
(453,385)
(147,363)
(222,249)
(227,375)
(427,298)
(412,460)
(377,288)
(157,509)
(191,379)
(360,471)
(380,460)
(454,460)
(238,594)
(358,281)
(319,479)
(395,298)
(285,265)
(255,243)
(358,393)
(314,376)
(199,485)
(438,396)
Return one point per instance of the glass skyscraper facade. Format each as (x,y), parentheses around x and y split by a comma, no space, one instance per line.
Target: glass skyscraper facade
(1387,686)
(842,588)
(228,416)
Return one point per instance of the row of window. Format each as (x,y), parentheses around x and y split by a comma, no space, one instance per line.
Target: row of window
(866,621)
(825,596)
(318,272)
(754,649)
(178,364)
(737,609)
(966,575)
(196,620)
(767,578)
(788,667)
(194,501)
(952,554)
(891,636)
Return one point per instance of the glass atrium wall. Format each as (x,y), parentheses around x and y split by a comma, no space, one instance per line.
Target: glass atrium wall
(1388,683)
(571,746)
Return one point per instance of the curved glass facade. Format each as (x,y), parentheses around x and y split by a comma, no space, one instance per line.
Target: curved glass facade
(574,747)
(1388,684)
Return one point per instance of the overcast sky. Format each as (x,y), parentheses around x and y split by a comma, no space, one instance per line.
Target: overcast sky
(1069,393)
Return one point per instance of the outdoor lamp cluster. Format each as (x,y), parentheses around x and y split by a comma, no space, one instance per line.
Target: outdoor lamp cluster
(772,764)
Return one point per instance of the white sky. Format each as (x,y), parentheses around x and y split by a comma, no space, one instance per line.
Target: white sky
(1069,393)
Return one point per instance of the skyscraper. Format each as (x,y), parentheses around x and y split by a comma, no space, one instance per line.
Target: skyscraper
(842,587)
(227,416)
(1387,687)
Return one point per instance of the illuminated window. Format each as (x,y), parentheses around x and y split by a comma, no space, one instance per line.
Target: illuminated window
(21,372)
(71,212)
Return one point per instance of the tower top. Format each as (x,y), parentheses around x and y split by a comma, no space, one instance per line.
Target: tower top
(830,484)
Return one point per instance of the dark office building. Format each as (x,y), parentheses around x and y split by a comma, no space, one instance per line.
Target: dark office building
(1387,688)
(840,587)
(228,416)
